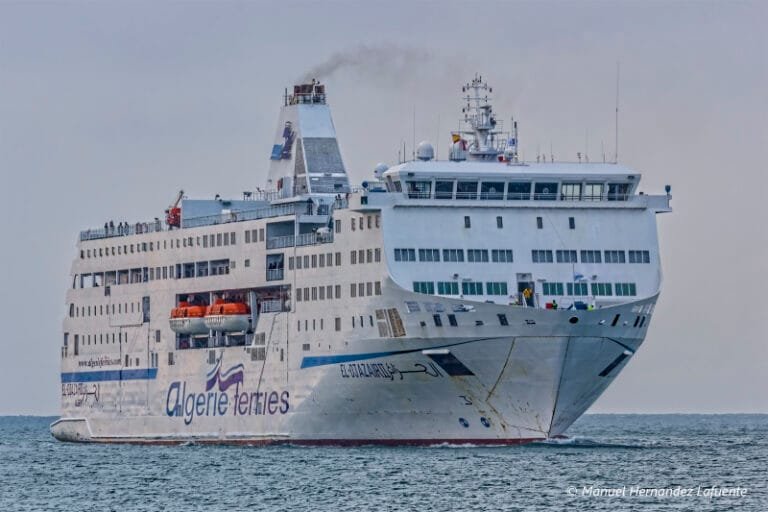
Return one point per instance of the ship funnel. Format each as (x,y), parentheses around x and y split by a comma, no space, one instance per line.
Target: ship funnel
(305,157)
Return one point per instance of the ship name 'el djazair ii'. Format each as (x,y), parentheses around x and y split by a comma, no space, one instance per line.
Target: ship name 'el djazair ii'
(474,299)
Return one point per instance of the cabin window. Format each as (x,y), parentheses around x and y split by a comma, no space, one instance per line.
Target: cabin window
(477,255)
(517,191)
(577,289)
(539,223)
(492,190)
(444,190)
(545,191)
(591,257)
(429,254)
(501,255)
(337,225)
(467,222)
(466,190)
(424,287)
(447,288)
(541,256)
(499,288)
(453,254)
(452,320)
(566,256)
(499,222)
(572,222)
(570,192)
(615,257)
(639,257)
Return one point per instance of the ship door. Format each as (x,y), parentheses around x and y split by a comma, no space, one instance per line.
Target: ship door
(526,289)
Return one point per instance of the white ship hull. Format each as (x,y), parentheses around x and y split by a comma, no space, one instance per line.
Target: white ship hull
(511,384)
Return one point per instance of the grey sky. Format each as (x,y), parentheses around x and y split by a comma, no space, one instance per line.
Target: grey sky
(106,110)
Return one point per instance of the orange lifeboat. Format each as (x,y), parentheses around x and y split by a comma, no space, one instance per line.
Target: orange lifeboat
(228,316)
(188,319)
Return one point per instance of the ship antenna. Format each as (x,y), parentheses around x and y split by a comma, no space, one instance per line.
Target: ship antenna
(616,127)
(413,148)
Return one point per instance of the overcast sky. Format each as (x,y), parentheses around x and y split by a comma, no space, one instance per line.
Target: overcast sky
(108,109)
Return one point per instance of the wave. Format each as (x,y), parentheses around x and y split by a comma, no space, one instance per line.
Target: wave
(579,442)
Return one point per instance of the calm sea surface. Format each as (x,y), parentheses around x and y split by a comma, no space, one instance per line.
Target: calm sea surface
(611,462)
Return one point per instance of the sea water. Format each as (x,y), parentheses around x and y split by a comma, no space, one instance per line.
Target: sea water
(609,462)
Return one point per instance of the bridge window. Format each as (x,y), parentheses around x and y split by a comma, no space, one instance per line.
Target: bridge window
(618,191)
(466,190)
(492,190)
(545,191)
(593,192)
(444,189)
(517,191)
(419,189)
(570,192)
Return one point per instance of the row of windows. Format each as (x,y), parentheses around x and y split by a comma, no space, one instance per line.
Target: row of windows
(589,256)
(211,240)
(103,338)
(365,289)
(597,289)
(515,191)
(455,255)
(254,235)
(146,274)
(365,256)
(103,309)
(314,260)
(318,293)
(362,222)
(467,288)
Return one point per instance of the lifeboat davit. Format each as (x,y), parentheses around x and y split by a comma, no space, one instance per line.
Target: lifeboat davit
(226,316)
(188,319)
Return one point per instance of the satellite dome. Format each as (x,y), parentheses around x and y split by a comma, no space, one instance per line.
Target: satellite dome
(425,151)
(380,169)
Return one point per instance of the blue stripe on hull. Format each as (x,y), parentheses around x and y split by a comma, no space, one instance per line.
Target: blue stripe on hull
(107,375)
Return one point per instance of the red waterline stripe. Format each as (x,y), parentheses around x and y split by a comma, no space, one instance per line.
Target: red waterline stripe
(318,442)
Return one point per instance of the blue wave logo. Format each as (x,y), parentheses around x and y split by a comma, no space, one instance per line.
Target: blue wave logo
(225,379)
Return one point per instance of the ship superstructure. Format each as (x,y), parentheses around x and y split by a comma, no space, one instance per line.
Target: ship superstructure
(477,299)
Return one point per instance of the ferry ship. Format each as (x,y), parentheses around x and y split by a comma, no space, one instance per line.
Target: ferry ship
(475,299)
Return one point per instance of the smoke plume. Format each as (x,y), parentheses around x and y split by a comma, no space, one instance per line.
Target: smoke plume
(383,63)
